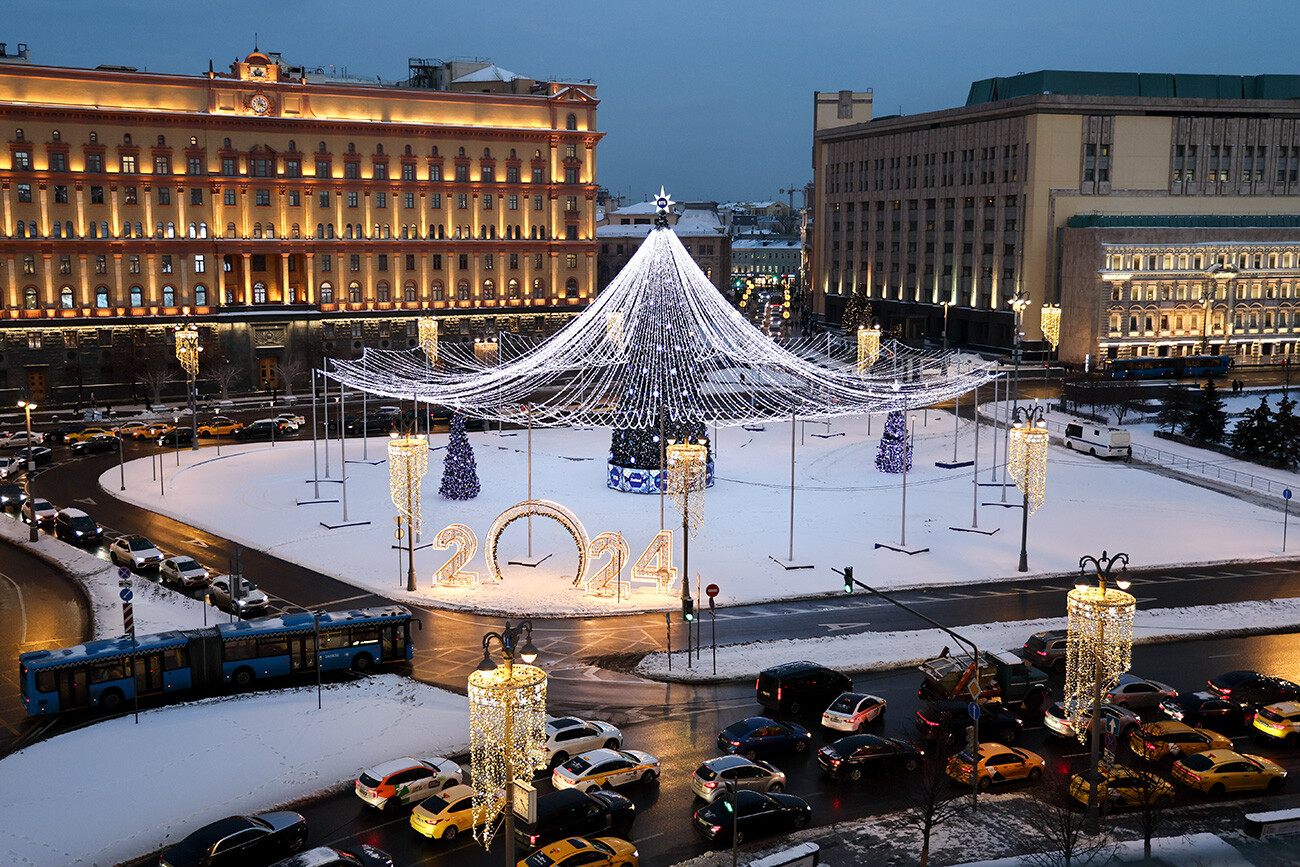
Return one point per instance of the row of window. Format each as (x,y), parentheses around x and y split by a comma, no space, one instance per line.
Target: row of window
(1193,323)
(1218,159)
(435,231)
(939,168)
(1244,261)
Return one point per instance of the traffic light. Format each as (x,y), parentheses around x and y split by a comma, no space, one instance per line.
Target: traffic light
(848,579)
(688,610)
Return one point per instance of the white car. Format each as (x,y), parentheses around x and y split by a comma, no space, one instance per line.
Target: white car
(250,599)
(1058,723)
(852,711)
(10,467)
(1138,692)
(290,421)
(137,552)
(182,571)
(404,782)
(606,769)
(570,736)
(43,510)
(18,438)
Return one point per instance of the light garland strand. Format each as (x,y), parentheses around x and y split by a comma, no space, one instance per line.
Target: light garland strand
(408,462)
(1099,646)
(540,509)
(1027,462)
(507,737)
(1052,324)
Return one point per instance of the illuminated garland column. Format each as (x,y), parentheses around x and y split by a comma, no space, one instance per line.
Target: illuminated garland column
(428,329)
(187,352)
(868,347)
(686,474)
(408,461)
(1099,649)
(1027,465)
(1051,321)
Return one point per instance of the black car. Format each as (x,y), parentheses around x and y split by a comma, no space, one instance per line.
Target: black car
(181,436)
(246,841)
(373,424)
(746,814)
(11,497)
(75,526)
(1046,650)
(98,443)
(575,813)
(947,722)
(328,856)
(1251,690)
(262,429)
(796,686)
(855,756)
(38,454)
(1205,710)
(59,434)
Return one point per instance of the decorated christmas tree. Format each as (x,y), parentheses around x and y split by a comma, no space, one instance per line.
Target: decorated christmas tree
(895,452)
(459,473)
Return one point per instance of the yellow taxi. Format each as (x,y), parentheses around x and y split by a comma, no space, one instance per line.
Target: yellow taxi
(443,816)
(1217,772)
(86,433)
(1279,722)
(1123,787)
(996,764)
(220,426)
(1156,740)
(157,429)
(588,852)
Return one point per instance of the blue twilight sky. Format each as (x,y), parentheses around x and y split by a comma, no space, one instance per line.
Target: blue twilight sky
(712,99)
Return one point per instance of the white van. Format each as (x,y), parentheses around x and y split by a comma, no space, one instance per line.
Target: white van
(1106,442)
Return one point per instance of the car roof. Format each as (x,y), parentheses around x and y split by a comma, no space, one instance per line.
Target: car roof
(1286,708)
(1166,725)
(321,856)
(786,668)
(73,513)
(1220,756)
(392,767)
(601,755)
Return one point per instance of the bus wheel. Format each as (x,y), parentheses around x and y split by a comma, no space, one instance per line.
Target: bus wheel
(110,699)
(362,662)
(244,678)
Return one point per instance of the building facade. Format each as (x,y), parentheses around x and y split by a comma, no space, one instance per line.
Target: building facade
(967,205)
(289,217)
(698,224)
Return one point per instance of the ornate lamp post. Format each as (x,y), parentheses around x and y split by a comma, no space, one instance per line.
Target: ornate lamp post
(28,406)
(686,475)
(187,353)
(1018,304)
(1099,649)
(408,461)
(507,720)
(1027,465)
(869,346)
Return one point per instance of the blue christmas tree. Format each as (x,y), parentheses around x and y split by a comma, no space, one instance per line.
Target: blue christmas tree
(459,473)
(895,452)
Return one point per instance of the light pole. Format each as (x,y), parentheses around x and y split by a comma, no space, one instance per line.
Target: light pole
(688,473)
(28,406)
(408,461)
(507,728)
(946,305)
(1027,464)
(1018,303)
(1206,301)
(1099,648)
(187,353)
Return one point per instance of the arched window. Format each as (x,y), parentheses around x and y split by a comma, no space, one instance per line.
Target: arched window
(270,230)
(352,147)
(405,234)
(158,230)
(103,229)
(354,292)
(347,232)
(462,290)
(162,141)
(293,146)
(408,291)
(482,233)
(225,143)
(94,136)
(492,232)
(571,288)
(326,293)
(387,232)
(31,298)
(571,122)
(169,296)
(203,230)
(320,230)
(94,229)
(137,296)
(542,231)
(379,149)
(489,290)
(383,292)
(65,297)
(194,141)
(442,232)
(230,230)
(435,291)
(295,231)
(139,232)
(101,297)
(201,295)
(533,233)
(329,230)
(257,230)
(126,139)
(56,231)
(320,146)
(513,288)
(171,230)
(58,136)
(194,230)
(539,287)
(512,153)
(374,234)
(259,292)
(20,229)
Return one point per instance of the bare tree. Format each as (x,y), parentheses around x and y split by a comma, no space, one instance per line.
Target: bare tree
(226,376)
(934,800)
(155,378)
(1154,798)
(1057,821)
(289,372)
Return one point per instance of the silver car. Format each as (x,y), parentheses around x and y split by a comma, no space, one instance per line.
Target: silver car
(1057,722)
(1138,692)
(250,598)
(711,779)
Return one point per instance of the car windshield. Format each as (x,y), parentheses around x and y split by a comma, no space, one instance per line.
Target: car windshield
(139,544)
(846,703)
(1198,762)
(187,566)
(42,505)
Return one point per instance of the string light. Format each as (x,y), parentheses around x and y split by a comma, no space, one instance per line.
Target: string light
(1099,647)
(487,351)
(868,348)
(428,330)
(604,582)
(459,470)
(1027,461)
(187,349)
(538,509)
(669,311)
(614,327)
(1052,324)
(462,538)
(408,461)
(686,478)
(507,737)
(656,562)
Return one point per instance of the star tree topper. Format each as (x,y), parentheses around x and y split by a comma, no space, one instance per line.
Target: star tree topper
(663,202)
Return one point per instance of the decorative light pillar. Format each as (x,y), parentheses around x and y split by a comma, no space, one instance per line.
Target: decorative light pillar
(428,330)
(686,475)
(187,353)
(868,347)
(1099,649)
(408,461)
(1027,466)
(1051,318)
(27,406)
(507,730)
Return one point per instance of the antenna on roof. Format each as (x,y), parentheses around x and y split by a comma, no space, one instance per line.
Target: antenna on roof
(254,40)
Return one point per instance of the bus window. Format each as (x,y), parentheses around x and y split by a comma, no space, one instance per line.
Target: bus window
(241,648)
(176,658)
(273,645)
(113,669)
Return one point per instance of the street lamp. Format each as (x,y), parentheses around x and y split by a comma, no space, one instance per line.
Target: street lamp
(1051,320)
(507,729)
(946,305)
(1027,466)
(1206,301)
(687,473)
(1099,649)
(187,353)
(1018,304)
(408,461)
(28,406)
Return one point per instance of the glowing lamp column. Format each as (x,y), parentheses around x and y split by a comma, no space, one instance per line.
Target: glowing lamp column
(1027,464)
(1099,649)
(868,347)
(408,461)
(507,729)
(27,406)
(1051,321)
(187,353)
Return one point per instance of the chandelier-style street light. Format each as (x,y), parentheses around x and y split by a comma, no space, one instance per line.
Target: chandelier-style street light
(1051,319)
(428,337)
(868,347)
(408,461)
(507,730)
(1099,648)
(187,353)
(1027,466)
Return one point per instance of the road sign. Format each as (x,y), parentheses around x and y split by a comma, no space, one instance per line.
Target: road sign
(974,710)
(124,573)
(711,590)
(125,593)
(398,533)
(1112,725)
(1286,493)
(1111,743)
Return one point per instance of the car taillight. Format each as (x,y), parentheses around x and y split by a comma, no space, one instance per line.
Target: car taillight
(711,785)
(715,829)
(778,693)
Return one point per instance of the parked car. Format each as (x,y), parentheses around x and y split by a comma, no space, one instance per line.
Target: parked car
(60,434)
(606,769)
(328,856)
(1279,722)
(1156,740)
(374,424)
(853,757)
(401,782)
(1250,689)
(240,841)
(740,816)
(10,467)
(569,736)
(156,429)
(761,735)
(1046,650)
(570,812)
(852,711)
(86,433)
(74,525)
(135,552)
(250,599)
(219,426)
(1123,787)
(995,763)
(1217,772)
(446,814)
(594,851)
(291,421)
(98,443)
(182,571)
(11,497)
(40,511)
(262,429)
(1205,709)
(794,686)
(13,439)
(1056,721)
(180,436)
(1138,692)
(713,777)
(947,722)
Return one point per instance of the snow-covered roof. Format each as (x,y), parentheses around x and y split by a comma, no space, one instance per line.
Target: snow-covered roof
(630,230)
(765,244)
(491,72)
(639,209)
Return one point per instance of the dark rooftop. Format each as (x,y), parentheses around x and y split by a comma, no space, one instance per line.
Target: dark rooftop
(1154,85)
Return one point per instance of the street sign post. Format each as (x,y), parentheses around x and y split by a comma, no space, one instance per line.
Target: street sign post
(668,638)
(712,591)
(1286,514)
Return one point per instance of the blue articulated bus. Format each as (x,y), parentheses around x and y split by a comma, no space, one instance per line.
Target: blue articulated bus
(1154,367)
(107,672)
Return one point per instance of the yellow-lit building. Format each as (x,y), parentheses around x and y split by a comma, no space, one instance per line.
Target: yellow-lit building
(288,216)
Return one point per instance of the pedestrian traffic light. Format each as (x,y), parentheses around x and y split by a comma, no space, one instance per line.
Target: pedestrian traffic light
(688,610)
(848,579)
